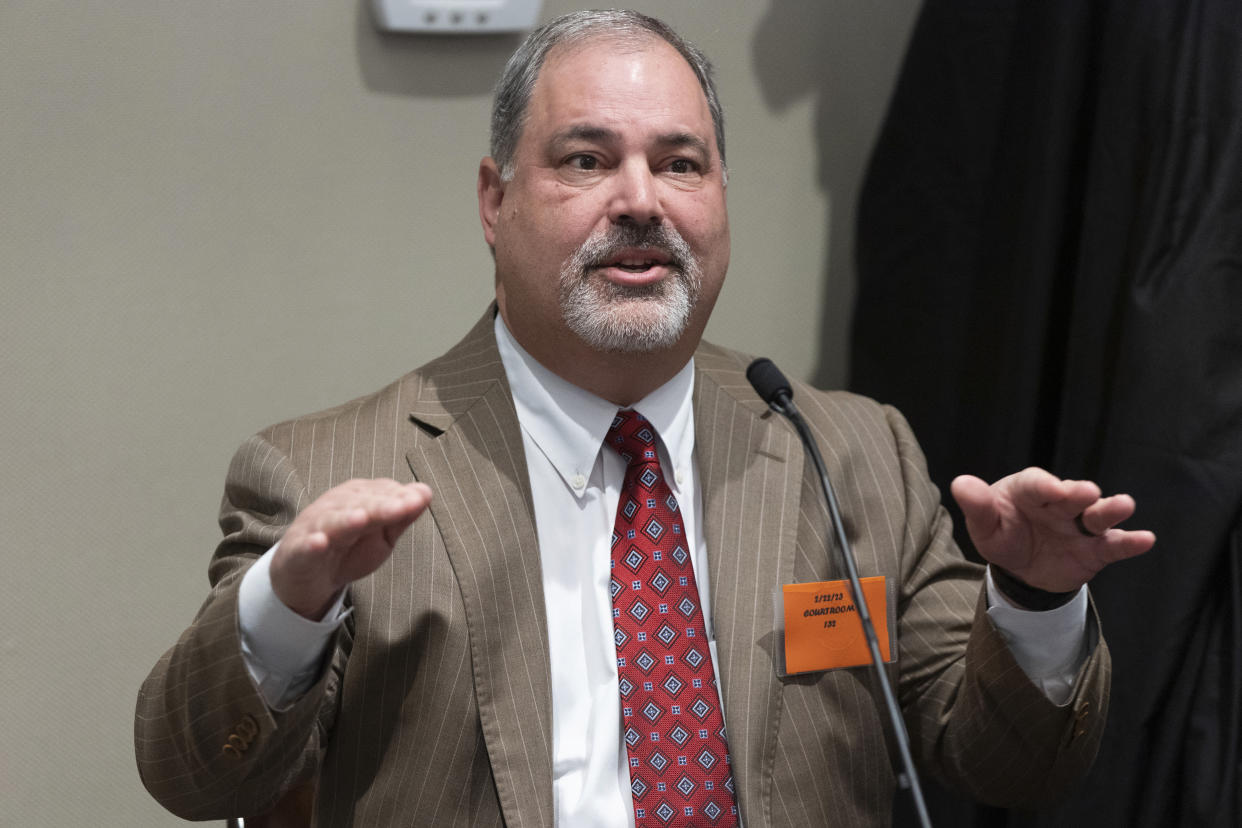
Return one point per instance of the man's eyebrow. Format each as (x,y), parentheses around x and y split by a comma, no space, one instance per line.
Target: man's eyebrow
(685,139)
(600,135)
(584,132)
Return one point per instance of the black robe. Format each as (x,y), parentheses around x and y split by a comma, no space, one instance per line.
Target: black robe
(1050,272)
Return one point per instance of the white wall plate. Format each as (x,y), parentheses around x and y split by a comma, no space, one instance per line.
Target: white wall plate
(456,16)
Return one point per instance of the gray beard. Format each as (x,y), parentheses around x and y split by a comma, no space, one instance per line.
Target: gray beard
(630,319)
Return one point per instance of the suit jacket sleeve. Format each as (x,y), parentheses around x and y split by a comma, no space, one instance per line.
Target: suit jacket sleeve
(439,677)
(974,717)
(207,745)
(814,748)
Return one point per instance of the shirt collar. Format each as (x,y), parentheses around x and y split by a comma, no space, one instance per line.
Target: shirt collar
(569,424)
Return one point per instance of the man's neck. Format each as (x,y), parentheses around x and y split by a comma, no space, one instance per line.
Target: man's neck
(620,377)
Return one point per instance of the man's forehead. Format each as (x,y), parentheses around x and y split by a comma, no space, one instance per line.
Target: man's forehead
(600,47)
(560,82)
(621,43)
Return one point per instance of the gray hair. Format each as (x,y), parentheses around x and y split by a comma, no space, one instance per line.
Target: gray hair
(517,82)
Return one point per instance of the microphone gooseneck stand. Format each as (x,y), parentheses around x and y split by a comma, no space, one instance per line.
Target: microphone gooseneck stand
(772,387)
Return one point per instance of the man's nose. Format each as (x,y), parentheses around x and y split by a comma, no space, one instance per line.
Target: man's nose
(636,195)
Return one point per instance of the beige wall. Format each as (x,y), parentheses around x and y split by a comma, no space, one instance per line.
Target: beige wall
(217,215)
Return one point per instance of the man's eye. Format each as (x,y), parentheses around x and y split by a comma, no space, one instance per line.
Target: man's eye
(683,166)
(584,162)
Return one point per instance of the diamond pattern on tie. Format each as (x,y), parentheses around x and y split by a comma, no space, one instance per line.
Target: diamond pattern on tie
(674,731)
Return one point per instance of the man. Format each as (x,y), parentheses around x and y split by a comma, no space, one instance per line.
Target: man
(471,659)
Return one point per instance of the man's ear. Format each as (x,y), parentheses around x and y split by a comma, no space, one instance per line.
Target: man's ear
(491,193)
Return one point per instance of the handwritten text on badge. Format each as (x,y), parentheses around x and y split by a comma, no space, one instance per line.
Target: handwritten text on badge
(822,628)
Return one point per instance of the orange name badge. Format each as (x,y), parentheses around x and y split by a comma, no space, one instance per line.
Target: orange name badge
(822,627)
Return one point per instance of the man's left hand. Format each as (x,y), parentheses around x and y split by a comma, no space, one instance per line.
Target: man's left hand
(1035,525)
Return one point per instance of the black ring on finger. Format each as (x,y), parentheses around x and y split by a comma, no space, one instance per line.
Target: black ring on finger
(1082,527)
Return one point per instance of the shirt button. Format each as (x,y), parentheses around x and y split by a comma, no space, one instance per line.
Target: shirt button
(680,477)
(578,482)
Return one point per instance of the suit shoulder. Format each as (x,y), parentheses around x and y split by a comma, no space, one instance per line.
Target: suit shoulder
(728,368)
(349,409)
(712,357)
(436,391)
(844,402)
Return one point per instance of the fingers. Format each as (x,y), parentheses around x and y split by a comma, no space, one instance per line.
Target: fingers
(1101,519)
(1036,490)
(970,491)
(1035,525)
(1105,513)
(393,528)
(345,534)
(1077,505)
(1121,544)
(348,511)
(979,506)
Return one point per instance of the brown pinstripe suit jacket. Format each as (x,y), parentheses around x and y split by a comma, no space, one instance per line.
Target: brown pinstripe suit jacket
(436,707)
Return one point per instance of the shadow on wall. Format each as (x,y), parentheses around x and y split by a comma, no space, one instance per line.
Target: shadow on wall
(442,66)
(844,54)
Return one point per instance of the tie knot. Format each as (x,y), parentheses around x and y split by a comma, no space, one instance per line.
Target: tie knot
(631,436)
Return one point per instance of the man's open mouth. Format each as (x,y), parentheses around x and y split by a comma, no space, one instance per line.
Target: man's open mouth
(637,261)
(636,267)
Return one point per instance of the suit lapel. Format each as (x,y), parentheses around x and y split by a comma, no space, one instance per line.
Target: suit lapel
(469,450)
(750,468)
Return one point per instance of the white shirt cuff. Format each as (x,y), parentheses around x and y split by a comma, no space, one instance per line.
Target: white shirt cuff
(281,649)
(1049,646)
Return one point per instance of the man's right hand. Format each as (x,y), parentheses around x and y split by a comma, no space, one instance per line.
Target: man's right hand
(344,535)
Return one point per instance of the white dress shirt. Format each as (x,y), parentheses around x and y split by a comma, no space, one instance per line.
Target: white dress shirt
(576,488)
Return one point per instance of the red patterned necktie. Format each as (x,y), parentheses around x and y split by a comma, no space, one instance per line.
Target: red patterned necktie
(670,708)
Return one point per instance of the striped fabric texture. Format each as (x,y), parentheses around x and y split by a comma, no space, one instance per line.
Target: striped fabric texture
(435,705)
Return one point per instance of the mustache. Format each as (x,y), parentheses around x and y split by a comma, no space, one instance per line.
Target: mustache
(600,248)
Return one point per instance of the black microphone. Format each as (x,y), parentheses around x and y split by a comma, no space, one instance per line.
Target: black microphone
(772,387)
(768,381)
